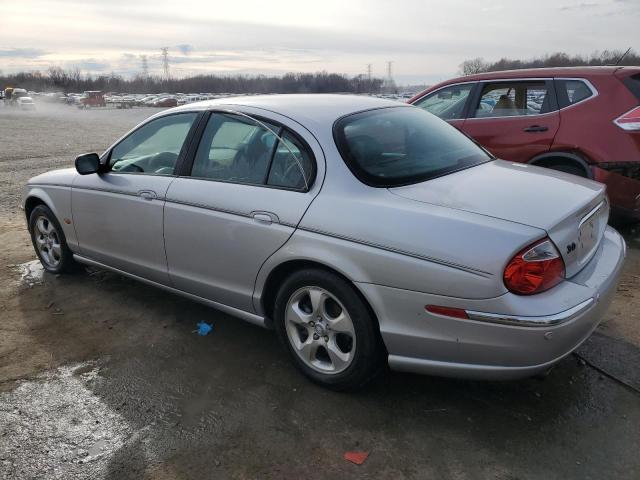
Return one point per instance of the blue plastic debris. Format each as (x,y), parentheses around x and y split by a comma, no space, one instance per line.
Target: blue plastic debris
(204,328)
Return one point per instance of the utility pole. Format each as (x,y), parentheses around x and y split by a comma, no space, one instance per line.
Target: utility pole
(165,62)
(145,66)
(391,85)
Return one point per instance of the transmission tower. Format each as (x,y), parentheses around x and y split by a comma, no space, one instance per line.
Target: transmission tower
(369,69)
(165,62)
(145,66)
(390,85)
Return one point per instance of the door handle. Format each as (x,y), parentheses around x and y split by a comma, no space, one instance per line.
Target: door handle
(536,128)
(147,194)
(264,217)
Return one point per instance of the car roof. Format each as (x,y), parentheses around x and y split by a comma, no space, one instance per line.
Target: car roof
(321,109)
(567,72)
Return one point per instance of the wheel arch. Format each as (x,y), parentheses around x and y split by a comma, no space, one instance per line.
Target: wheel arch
(33,200)
(281,271)
(569,158)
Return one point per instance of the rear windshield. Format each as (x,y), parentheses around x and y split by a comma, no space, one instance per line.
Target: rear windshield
(403,145)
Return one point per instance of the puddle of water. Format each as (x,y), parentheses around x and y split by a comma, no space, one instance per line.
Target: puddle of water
(54,427)
(31,273)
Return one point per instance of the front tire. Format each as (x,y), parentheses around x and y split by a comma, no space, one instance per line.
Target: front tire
(328,330)
(49,241)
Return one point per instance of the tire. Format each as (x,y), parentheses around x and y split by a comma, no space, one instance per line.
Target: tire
(333,339)
(49,241)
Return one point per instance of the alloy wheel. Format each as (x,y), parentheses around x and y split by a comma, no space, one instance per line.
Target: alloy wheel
(320,330)
(47,240)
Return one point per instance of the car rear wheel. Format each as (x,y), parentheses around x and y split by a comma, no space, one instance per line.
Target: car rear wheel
(328,330)
(49,241)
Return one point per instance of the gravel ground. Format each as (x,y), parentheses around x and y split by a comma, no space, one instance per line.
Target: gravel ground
(102,377)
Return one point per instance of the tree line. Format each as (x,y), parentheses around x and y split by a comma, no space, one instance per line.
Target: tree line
(55,79)
(558,59)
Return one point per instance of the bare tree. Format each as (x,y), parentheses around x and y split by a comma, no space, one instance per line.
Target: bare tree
(473,66)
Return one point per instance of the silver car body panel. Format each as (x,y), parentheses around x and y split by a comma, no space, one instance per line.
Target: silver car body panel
(441,242)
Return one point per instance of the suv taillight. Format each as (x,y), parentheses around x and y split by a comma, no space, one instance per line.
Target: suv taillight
(534,269)
(630,121)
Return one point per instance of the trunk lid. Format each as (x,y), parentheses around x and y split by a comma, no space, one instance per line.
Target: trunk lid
(574,211)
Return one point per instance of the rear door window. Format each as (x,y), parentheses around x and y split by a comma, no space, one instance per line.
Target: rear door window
(447,103)
(509,99)
(572,91)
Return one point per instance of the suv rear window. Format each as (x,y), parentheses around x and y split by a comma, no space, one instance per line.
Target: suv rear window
(395,146)
(633,84)
(571,92)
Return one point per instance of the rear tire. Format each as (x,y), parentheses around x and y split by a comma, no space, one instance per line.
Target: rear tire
(49,241)
(328,330)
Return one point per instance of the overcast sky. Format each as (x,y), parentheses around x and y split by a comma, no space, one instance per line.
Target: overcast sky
(426,40)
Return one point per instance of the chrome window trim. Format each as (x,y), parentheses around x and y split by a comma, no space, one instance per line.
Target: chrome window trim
(532,321)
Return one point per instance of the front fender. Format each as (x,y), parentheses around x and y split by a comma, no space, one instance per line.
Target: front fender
(58,199)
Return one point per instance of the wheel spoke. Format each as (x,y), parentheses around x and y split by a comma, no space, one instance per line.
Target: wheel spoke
(342,324)
(40,241)
(296,315)
(317,300)
(338,358)
(308,349)
(56,250)
(42,227)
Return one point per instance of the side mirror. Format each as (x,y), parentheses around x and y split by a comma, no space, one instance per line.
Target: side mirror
(88,163)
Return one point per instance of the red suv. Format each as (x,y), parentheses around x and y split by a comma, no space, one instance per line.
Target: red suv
(585,121)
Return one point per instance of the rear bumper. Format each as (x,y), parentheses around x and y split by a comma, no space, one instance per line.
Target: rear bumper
(505,337)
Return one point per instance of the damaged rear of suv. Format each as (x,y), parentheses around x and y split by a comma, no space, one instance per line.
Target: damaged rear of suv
(580,120)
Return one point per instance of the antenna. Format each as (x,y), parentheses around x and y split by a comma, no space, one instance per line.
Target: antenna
(623,55)
(369,70)
(165,62)
(145,65)
(390,71)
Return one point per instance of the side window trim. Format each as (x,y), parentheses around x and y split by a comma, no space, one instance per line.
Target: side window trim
(549,84)
(187,166)
(105,159)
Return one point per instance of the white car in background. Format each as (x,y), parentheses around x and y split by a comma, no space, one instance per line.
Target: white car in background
(26,103)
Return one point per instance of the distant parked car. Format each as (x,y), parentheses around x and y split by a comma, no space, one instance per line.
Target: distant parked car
(166,102)
(26,103)
(92,98)
(585,121)
(363,230)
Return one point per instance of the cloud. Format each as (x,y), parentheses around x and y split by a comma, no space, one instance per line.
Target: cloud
(22,52)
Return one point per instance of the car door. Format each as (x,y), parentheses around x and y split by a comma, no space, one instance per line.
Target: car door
(250,182)
(118,214)
(450,103)
(515,119)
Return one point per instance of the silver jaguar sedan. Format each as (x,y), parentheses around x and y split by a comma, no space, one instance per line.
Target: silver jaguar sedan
(364,231)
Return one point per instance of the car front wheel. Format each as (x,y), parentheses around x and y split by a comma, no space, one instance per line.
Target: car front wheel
(328,330)
(49,241)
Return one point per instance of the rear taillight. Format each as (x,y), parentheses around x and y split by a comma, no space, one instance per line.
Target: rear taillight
(534,269)
(630,121)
